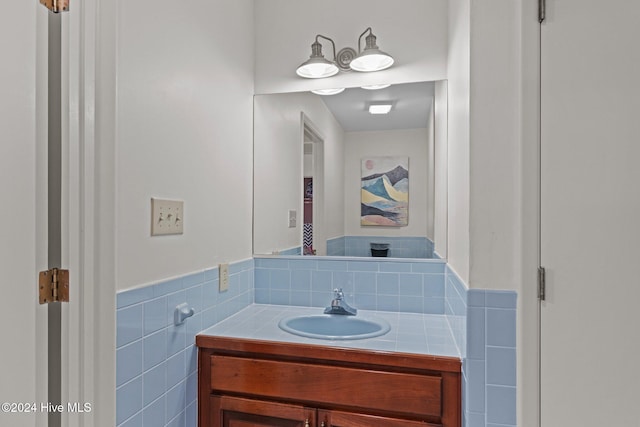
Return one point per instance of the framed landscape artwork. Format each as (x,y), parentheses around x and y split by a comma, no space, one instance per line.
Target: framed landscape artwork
(384,192)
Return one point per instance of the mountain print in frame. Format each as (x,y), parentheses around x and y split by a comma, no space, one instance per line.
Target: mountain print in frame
(384,191)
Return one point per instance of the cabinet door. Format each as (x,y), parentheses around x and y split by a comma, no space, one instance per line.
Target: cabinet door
(348,419)
(237,412)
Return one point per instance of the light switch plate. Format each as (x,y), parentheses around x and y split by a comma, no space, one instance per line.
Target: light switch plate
(166,217)
(292,218)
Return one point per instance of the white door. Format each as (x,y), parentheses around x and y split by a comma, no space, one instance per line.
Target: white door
(21,367)
(590,218)
(88,373)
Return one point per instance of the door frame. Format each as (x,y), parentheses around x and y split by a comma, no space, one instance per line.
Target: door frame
(319,233)
(528,319)
(89,184)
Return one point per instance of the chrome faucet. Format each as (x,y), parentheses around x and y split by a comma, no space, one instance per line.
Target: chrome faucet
(339,306)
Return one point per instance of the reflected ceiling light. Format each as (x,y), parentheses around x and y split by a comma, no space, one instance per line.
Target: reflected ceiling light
(328,91)
(380,108)
(370,59)
(376,87)
(317,67)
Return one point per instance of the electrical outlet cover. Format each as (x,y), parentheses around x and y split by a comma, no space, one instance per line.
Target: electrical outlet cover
(223,277)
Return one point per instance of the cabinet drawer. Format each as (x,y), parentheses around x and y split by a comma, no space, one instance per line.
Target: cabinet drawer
(388,392)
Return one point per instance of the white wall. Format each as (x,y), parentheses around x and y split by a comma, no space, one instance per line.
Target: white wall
(492,69)
(184,131)
(458,74)
(414,32)
(278,168)
(440,112)
(495,145)
(485,143)
(412,143)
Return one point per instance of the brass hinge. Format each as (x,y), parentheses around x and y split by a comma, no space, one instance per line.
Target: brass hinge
(542,10)
(542,284)
(53,286)
(56,6)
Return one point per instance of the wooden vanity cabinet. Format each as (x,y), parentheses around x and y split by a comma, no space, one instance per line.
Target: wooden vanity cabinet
(252,383)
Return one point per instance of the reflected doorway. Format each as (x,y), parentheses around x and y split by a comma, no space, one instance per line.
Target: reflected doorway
(313,239)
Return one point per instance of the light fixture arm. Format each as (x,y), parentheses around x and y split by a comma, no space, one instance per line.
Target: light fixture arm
(360,38)
(333,45)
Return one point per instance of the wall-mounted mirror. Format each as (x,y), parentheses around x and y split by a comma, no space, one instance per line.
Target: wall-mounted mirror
(330,178)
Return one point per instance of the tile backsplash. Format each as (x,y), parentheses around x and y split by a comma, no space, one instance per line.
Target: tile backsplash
(399,247)
(408,286)
(156,371)
(156,361)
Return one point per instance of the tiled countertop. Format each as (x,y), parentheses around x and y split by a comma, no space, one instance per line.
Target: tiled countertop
(410,332)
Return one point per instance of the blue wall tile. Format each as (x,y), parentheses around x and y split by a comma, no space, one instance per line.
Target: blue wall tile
(501,366)
(394,267)
(332,265)
(176,400)
(501,327)
(388,284)
(498,299)
(365,283)
(428,267)
(501,405)
(154,355)
(411,284)
(129,325)
(193,279)
(134,296)
(153,414)
(475,387)
(301,280)
(191,415)
(135,421)
(484,326)
(128,362)
(433,305)
(476,333)
(301,298)
(128,400)
(167,287)
(155,315)
(411,304)
(433,285)
(178,421)
(155,349)
(154,383)
(176,369)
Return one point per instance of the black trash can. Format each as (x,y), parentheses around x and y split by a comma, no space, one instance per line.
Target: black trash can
(379,249)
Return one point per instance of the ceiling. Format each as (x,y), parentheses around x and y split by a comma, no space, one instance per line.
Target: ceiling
(411,107)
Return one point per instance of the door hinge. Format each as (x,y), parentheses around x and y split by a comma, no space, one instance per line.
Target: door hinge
(542,285)
(53,286)
(56,6)
(542,10)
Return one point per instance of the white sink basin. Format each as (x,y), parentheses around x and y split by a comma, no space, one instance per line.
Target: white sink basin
(335,326)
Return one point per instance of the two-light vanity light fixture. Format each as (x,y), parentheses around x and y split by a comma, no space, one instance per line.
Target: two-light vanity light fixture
(347,59)
(369,59)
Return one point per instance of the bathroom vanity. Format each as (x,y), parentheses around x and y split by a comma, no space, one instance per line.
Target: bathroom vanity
(283,380)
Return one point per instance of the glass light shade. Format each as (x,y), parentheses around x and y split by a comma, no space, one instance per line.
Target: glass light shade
(376,87)
(317,68)
(371,60)
(328,91)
